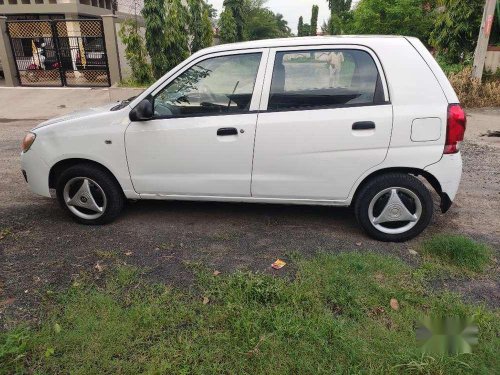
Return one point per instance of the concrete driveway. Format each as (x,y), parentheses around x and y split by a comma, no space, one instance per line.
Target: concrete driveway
(42,249)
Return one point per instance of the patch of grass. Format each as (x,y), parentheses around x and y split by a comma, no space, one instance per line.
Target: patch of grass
(131,83)
(334,317)
(459,251)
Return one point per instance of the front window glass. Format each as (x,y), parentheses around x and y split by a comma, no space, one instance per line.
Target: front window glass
(324,78)
(218,85)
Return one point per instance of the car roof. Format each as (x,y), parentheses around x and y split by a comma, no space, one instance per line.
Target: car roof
(298,41)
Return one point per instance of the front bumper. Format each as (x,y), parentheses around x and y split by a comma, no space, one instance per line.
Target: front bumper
(35,171)
(448,172)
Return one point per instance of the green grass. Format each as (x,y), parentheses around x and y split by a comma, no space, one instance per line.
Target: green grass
(333,317)
(458,251)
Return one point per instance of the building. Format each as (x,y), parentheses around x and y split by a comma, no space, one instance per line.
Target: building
(69,9)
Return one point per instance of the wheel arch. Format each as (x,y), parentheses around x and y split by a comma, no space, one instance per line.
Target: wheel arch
(430,178)
(64,164)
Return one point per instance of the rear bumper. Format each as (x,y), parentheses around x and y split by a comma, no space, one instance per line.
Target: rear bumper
(448,172)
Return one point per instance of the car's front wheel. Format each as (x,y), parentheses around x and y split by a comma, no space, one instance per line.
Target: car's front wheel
(90,194)
(394,207)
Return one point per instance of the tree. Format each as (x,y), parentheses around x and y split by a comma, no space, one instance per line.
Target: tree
(154,20)
(314,20)
(339,15)
(237,8)
(456,29)
(176,35)
(135,52)
(397,17)
(282,24)
(262,23)
(200,27)
(306,29)
(227,27)
(339,7)
(212,12)
(300,31)
(208,30)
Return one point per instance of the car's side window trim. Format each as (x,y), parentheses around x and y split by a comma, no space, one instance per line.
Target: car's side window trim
(257,89)
(270,71)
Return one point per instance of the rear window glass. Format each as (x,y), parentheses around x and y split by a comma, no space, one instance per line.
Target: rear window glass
(324,78)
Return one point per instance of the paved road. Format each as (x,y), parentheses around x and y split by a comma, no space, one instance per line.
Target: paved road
(46,250)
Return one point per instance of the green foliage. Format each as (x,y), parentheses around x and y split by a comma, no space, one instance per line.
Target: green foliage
(212,12)
(262,23)
(167,34)
(334,26)
(458,251)
(200,27)
(398,17)
(176,36)
(154,19)
(282,25)
(237,8)
(456,29)
(13,348)
(258,22)
(333,316)
(300,29)
(227,27)
(339,7)
(453,68)
(135,52)
(340,15)
(314,20)
(306,29)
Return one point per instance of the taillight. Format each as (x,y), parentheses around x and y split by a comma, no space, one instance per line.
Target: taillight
(455,129)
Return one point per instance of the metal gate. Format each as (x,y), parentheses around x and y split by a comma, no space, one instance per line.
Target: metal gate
(59,52)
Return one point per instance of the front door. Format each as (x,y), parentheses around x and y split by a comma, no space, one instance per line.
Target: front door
(326,119)
(200,141)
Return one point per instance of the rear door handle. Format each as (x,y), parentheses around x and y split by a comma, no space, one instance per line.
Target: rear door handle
(363,125)
(227,131)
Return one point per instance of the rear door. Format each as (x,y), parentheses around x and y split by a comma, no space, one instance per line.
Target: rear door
(325,119)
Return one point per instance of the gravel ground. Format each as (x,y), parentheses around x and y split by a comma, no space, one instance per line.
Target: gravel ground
(43,250)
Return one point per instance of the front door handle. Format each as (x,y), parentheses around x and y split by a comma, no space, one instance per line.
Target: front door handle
(363,125)
(227,131)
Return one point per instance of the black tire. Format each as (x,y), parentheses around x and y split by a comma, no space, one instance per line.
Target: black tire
(115,199)
(370,190)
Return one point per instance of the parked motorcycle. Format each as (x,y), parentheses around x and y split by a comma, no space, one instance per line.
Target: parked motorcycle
(40,61)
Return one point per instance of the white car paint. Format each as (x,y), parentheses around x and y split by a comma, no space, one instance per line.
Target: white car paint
(277,159)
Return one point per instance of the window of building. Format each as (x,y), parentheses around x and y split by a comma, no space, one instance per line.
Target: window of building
(324,78)
(25,2)
(214,86)
(12,2)
(38,1)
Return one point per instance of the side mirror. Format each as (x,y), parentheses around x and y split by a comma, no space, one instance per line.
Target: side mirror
(142,111)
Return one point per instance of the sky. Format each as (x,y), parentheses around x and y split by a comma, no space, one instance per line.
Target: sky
(292,10)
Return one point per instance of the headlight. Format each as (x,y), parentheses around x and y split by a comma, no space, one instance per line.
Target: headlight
(28,140)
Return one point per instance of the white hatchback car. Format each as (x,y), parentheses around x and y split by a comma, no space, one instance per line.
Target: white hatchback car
(334,121)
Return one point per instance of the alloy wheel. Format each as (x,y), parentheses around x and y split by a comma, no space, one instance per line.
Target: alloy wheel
(395,210)
(85,198)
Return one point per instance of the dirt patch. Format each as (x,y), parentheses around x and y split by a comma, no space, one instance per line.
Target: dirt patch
(45,250)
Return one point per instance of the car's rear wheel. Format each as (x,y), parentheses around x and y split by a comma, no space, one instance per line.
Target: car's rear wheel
(90,194)
(394,207)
